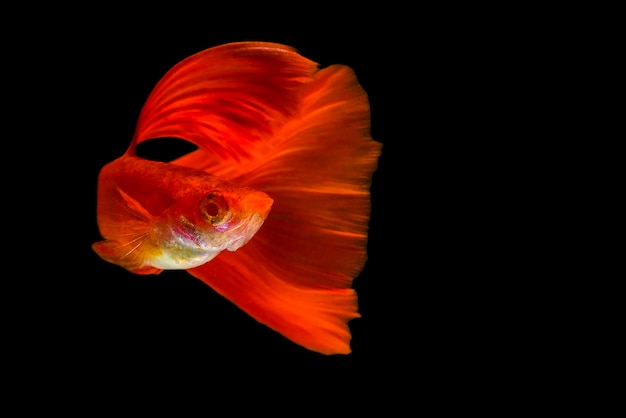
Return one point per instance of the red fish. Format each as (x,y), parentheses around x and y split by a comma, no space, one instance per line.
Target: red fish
(272,209)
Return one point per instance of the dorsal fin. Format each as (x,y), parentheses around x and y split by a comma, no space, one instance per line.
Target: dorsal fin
(226,99)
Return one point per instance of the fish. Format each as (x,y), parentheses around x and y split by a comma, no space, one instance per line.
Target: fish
(271,208)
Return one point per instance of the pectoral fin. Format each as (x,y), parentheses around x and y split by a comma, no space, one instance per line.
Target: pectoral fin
(126,225)
(129,256)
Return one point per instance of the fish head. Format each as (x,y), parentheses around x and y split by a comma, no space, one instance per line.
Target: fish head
(229,218)
(200,226)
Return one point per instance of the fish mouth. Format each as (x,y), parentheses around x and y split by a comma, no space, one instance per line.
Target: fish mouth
(258,203)
(245,231)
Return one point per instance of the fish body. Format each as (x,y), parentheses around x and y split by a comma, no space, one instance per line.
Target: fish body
(183,222)
(272,209)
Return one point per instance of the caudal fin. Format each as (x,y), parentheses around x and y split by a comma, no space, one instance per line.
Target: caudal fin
(295,276)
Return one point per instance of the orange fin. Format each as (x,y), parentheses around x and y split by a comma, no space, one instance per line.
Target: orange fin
(313,318)
(135,207)
(295,276)
(225,99)
(125,224)
(124,255)
(319,175)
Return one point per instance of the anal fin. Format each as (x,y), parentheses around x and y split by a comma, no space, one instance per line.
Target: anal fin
(314,318)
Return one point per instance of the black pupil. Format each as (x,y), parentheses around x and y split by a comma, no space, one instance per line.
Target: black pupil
(211,209)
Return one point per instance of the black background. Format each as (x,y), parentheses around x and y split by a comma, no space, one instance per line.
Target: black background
(443,276)
(109,316)
(101,321)
(173,307)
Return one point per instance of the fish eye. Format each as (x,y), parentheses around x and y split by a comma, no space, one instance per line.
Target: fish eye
(214,209)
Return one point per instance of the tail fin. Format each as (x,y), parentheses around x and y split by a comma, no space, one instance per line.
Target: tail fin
(295,276)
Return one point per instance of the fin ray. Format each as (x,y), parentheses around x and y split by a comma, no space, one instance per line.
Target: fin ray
(313,318)
(125,224)
(319,177)
(226,99)
(295,276)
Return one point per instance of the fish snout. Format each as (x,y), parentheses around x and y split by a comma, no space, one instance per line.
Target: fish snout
(259,203)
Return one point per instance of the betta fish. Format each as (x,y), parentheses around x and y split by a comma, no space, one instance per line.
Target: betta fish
(272,207)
